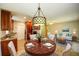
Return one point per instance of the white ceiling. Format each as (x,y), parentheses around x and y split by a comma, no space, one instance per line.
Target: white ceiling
(53,11)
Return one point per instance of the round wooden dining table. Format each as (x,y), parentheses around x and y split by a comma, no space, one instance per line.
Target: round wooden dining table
(39,49)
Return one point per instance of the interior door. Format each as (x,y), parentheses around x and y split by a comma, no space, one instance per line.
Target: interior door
(20,30)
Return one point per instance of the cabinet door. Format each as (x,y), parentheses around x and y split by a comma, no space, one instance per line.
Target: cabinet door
(4,46)
(5,20)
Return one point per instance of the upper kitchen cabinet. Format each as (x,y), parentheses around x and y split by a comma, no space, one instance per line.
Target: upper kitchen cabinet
(6,21)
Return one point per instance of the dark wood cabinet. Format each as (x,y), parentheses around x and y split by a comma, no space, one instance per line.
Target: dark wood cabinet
(28,29)
(6,21)
(4,46)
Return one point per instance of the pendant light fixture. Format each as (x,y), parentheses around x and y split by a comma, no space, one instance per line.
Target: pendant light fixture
(39,18)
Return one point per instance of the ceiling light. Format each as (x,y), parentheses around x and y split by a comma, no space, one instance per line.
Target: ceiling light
(39,18)
(24,17)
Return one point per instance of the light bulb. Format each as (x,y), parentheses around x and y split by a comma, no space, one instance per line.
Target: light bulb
(7,32)
(24,17)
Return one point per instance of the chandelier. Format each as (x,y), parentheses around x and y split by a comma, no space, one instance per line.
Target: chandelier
(39,18)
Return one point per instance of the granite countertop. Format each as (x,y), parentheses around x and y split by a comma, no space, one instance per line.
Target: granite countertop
(8,37)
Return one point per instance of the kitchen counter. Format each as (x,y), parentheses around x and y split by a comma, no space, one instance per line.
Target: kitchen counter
(5,39)
(8,37)
(4,45)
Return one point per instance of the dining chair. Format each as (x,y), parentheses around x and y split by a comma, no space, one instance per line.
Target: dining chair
(67,49)
(11,48)
(13,51)
(52,37)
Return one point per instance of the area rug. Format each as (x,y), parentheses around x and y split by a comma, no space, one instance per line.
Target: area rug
(60,49)
(58,52)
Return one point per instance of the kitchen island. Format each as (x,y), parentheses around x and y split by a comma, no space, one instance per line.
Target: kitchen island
(4,44)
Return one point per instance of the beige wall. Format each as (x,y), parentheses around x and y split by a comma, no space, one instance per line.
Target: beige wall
(72,25)
(19,27)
